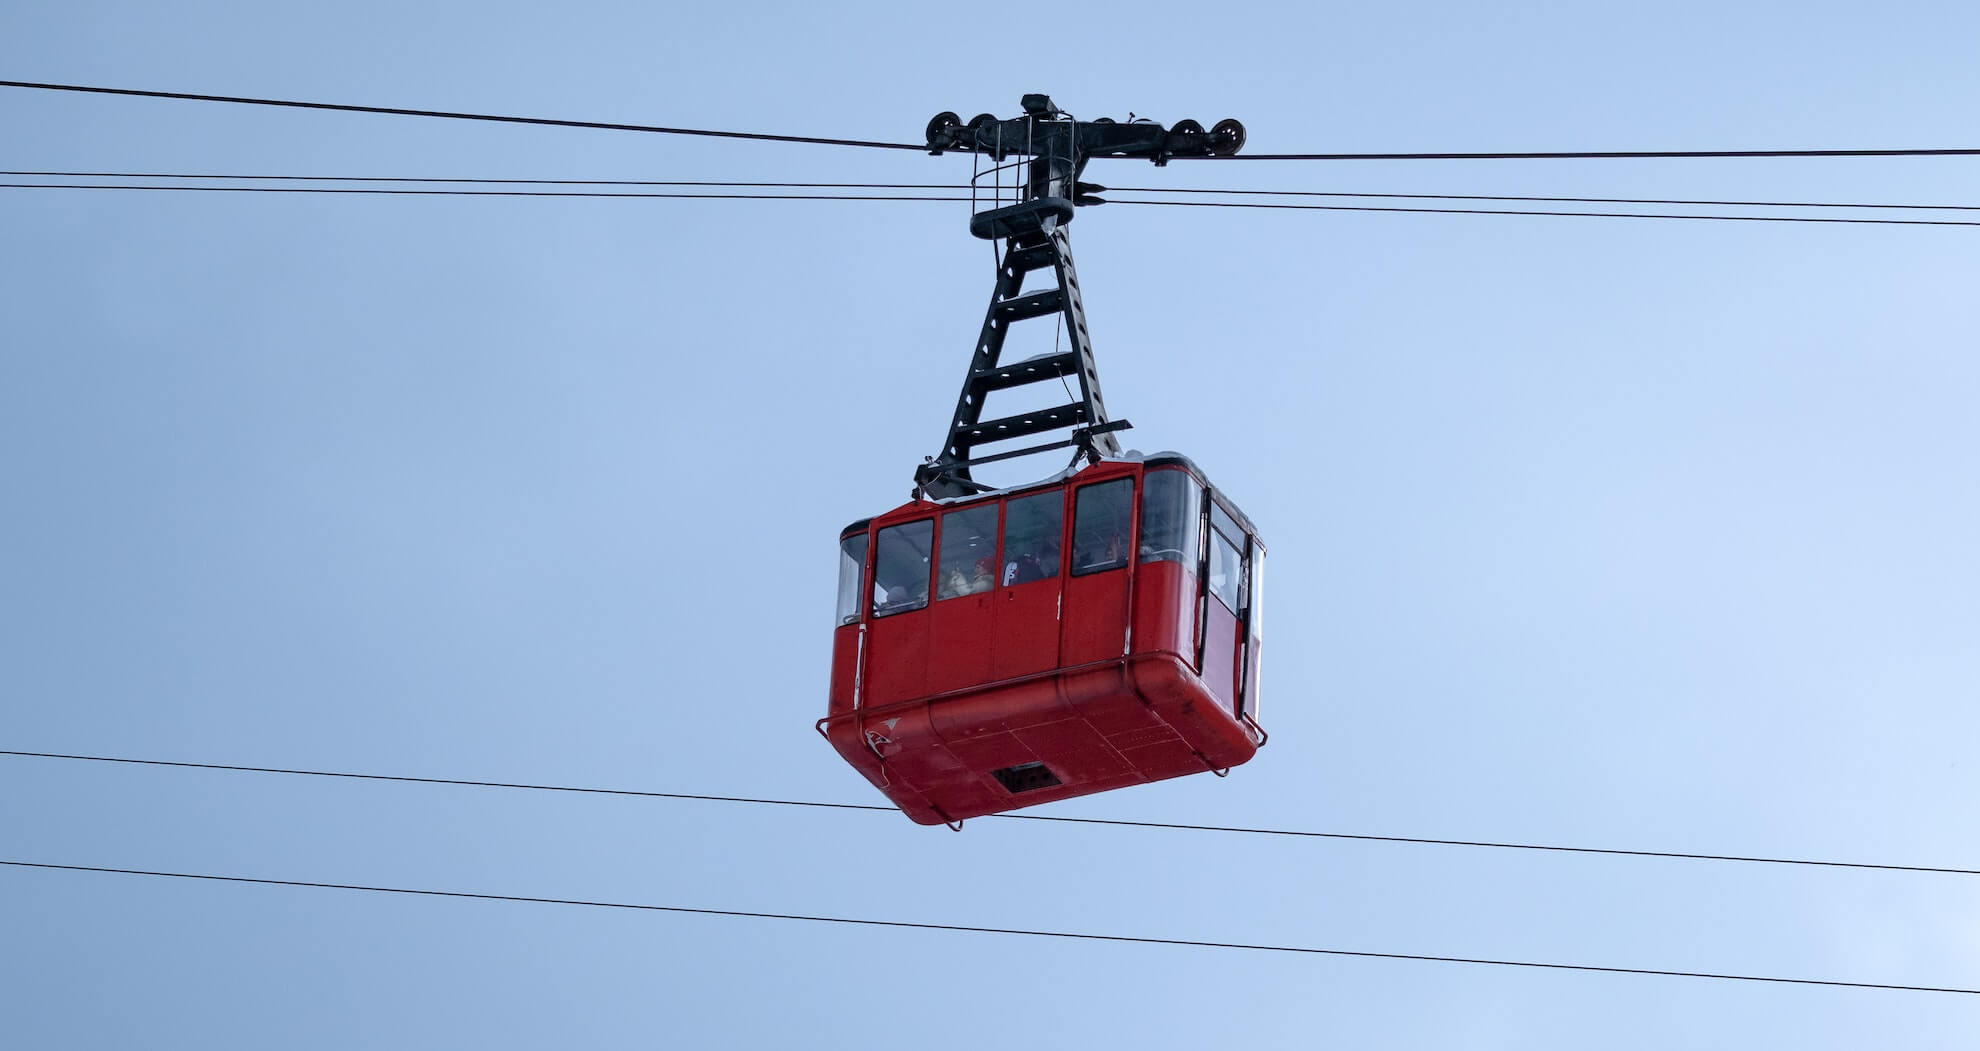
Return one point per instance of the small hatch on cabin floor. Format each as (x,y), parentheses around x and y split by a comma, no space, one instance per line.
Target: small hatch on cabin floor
(1025,777)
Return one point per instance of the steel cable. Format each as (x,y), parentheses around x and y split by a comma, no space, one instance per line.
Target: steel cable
(1232,829)
(659,129)
(1207,191)
(453,115)
(897,198)
(972,929)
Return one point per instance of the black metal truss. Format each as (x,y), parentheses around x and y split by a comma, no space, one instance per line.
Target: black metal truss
(948,474)
(1034,236)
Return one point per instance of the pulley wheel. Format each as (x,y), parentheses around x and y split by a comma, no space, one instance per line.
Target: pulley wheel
(1226,138)
(1186,127)
(940,125)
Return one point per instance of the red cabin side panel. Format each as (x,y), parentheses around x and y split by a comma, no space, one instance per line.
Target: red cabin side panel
(1193,712)
(1220,638)
(959,631)
(845,668)
(1165,609)
(896,659)
(1026,636)
(864,753)
(1252,689)
(1011,706)
(1095,624)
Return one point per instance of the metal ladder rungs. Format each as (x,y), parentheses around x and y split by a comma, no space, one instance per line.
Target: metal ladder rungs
(1028,423)
(1017,374)
(1037,304)
(1025,260)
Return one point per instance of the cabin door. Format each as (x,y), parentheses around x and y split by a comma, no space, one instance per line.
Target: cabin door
(1026,603)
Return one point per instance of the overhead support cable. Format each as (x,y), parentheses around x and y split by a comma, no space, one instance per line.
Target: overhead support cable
(922,147)
(972,929)
(1688,202)
(381,192)
(1231,829)
(452,115)
(501,182)
(1206,191)
(1580,215)
(1601,155)
(691,195)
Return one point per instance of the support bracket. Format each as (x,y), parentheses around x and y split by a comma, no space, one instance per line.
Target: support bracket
(1033,229)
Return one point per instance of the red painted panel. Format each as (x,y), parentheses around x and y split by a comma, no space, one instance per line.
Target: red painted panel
(1000,709)
(1187,706)
(1253,691)
(893,753)
(1026,637)
(845,667)
(1159,762)
(995,751)
(1220,670)
(1075,752)
(959,633)
(846,740)
(1107,699)
(905,739)
(896,658)
(1165,609)
(1095,624)
(1096,730)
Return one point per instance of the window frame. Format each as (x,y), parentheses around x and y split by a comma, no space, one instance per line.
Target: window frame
(1057,537)
(1251,678)
(1235,604)
(1188,515)
(941,554)
(928,583)
(852,604)
(1127,556)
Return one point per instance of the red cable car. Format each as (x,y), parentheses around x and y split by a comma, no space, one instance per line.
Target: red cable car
(1020,647)
(997,649)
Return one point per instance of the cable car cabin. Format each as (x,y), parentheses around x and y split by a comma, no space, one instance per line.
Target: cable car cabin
(1013,648)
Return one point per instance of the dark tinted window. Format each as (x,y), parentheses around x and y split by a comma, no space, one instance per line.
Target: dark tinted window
(900,567)
(1257,597)
(1226,571)
(1171,517)
(1253,676)
(1031,537)
(1225,524)
(1102,519)
(969,552)
(852,561)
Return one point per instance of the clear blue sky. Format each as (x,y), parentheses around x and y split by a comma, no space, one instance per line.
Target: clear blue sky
(1641,534)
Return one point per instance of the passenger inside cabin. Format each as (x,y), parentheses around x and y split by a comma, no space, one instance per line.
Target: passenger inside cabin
(1031,538)
(1028,567)
(1102,519)
(1109,552)
(900,567)
(1021,569)
(960,583)
(969,551)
